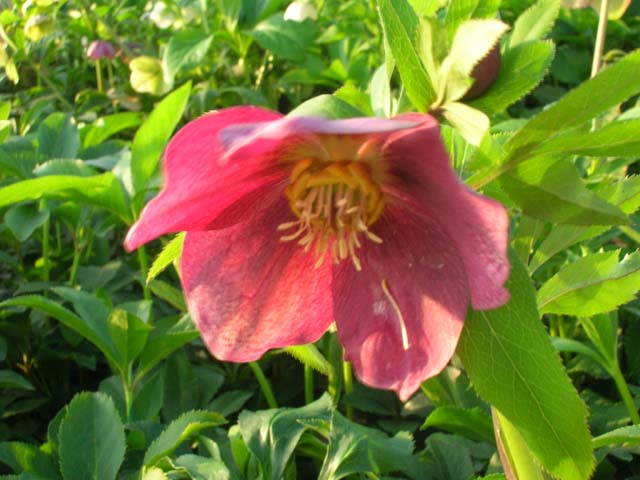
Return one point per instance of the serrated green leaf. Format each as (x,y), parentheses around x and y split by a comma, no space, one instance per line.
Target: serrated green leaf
(309,355)
(272,435)
(92,331)
(521,69)
(535,22)
(178,431)
(610,87)
(23,457)
(186,48)
(58,137)
(473,40)
(11,379)
(285,38)
(326,106)
(594,284)
(92,443)
(508,350)
(551,189)
(625,435)
(101,190)
(616,139)
(169,253)
(625,194)
(400,26)
(152,136)
(471,423)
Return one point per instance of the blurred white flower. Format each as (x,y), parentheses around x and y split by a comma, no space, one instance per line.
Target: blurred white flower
(300,11)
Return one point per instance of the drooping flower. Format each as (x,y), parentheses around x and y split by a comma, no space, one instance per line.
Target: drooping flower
(100,49)
(294,222)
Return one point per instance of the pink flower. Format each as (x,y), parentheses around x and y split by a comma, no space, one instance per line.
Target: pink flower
(100,49)
(293,223)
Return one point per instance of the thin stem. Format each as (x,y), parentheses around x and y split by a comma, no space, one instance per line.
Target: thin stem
(99,76)
(45,247)
(128,395)
(600,37)
(265,386)
(144,269)
(308,384)
(347,375)
(623,388)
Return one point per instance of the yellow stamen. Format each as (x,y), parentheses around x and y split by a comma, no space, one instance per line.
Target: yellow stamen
(398,312)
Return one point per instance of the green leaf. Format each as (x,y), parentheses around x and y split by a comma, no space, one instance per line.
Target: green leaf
(309,355)
(574,346)
(470,423)
(169,253)
(203,468)
(552,190)
(109,125)
(594,284)
(326,106)
(58,137)
(535,22)
(272,435)
(100,190)
(514,367)
(11,379)
(625,435)
(400,25)
(168,293)
(23,220)
(472,124)
(148,400)
(23,457)
(625,194)
(610,87)
(166,337)
(179,431)
(472,42)
(285,38)
(92,443)
(129,335)
(152,136)
(521,69)
(93,330)
(186,49)
(616,139)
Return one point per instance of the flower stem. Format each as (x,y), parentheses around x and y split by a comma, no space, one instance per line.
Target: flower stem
(45,246)
(265,386)
(347,375)
(99,76)
(600,37)
(308,384)
(623,388)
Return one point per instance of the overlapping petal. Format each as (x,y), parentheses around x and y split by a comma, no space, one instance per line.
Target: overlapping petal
(248,292)
(414,281)
(198,186)
(478,225)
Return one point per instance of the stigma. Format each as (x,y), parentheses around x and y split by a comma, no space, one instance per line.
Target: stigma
(335,203)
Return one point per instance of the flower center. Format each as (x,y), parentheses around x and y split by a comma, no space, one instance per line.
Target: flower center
(336,203)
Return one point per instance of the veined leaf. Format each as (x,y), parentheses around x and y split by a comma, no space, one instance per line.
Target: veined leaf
(400,25)
(625,435)
(595,284)
(178,431)
(311,356)
(535,22)
(507,349)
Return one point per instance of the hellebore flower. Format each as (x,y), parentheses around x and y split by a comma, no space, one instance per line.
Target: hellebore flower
(100,49)
(295,222)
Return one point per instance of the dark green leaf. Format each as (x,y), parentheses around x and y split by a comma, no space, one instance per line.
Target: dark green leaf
(285,38)
(23,457)
(23,220)
(58,137)
(470,423)
(11,379)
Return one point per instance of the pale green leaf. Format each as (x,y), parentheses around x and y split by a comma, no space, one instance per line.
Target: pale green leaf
(105,127)
(309,355)
(148,76)
(508,350)
(472,124)
(400,25)
(535,22)
(92,443)
(169,253)
(178,431)
(152,136)
(594,284)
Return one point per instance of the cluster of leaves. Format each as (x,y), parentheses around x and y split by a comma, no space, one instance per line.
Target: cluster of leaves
(103,374)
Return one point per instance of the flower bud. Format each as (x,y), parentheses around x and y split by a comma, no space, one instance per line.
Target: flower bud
(484,73)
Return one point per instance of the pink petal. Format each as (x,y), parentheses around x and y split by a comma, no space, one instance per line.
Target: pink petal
(249,292)
(419,266)
(197,186)
(477,225)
